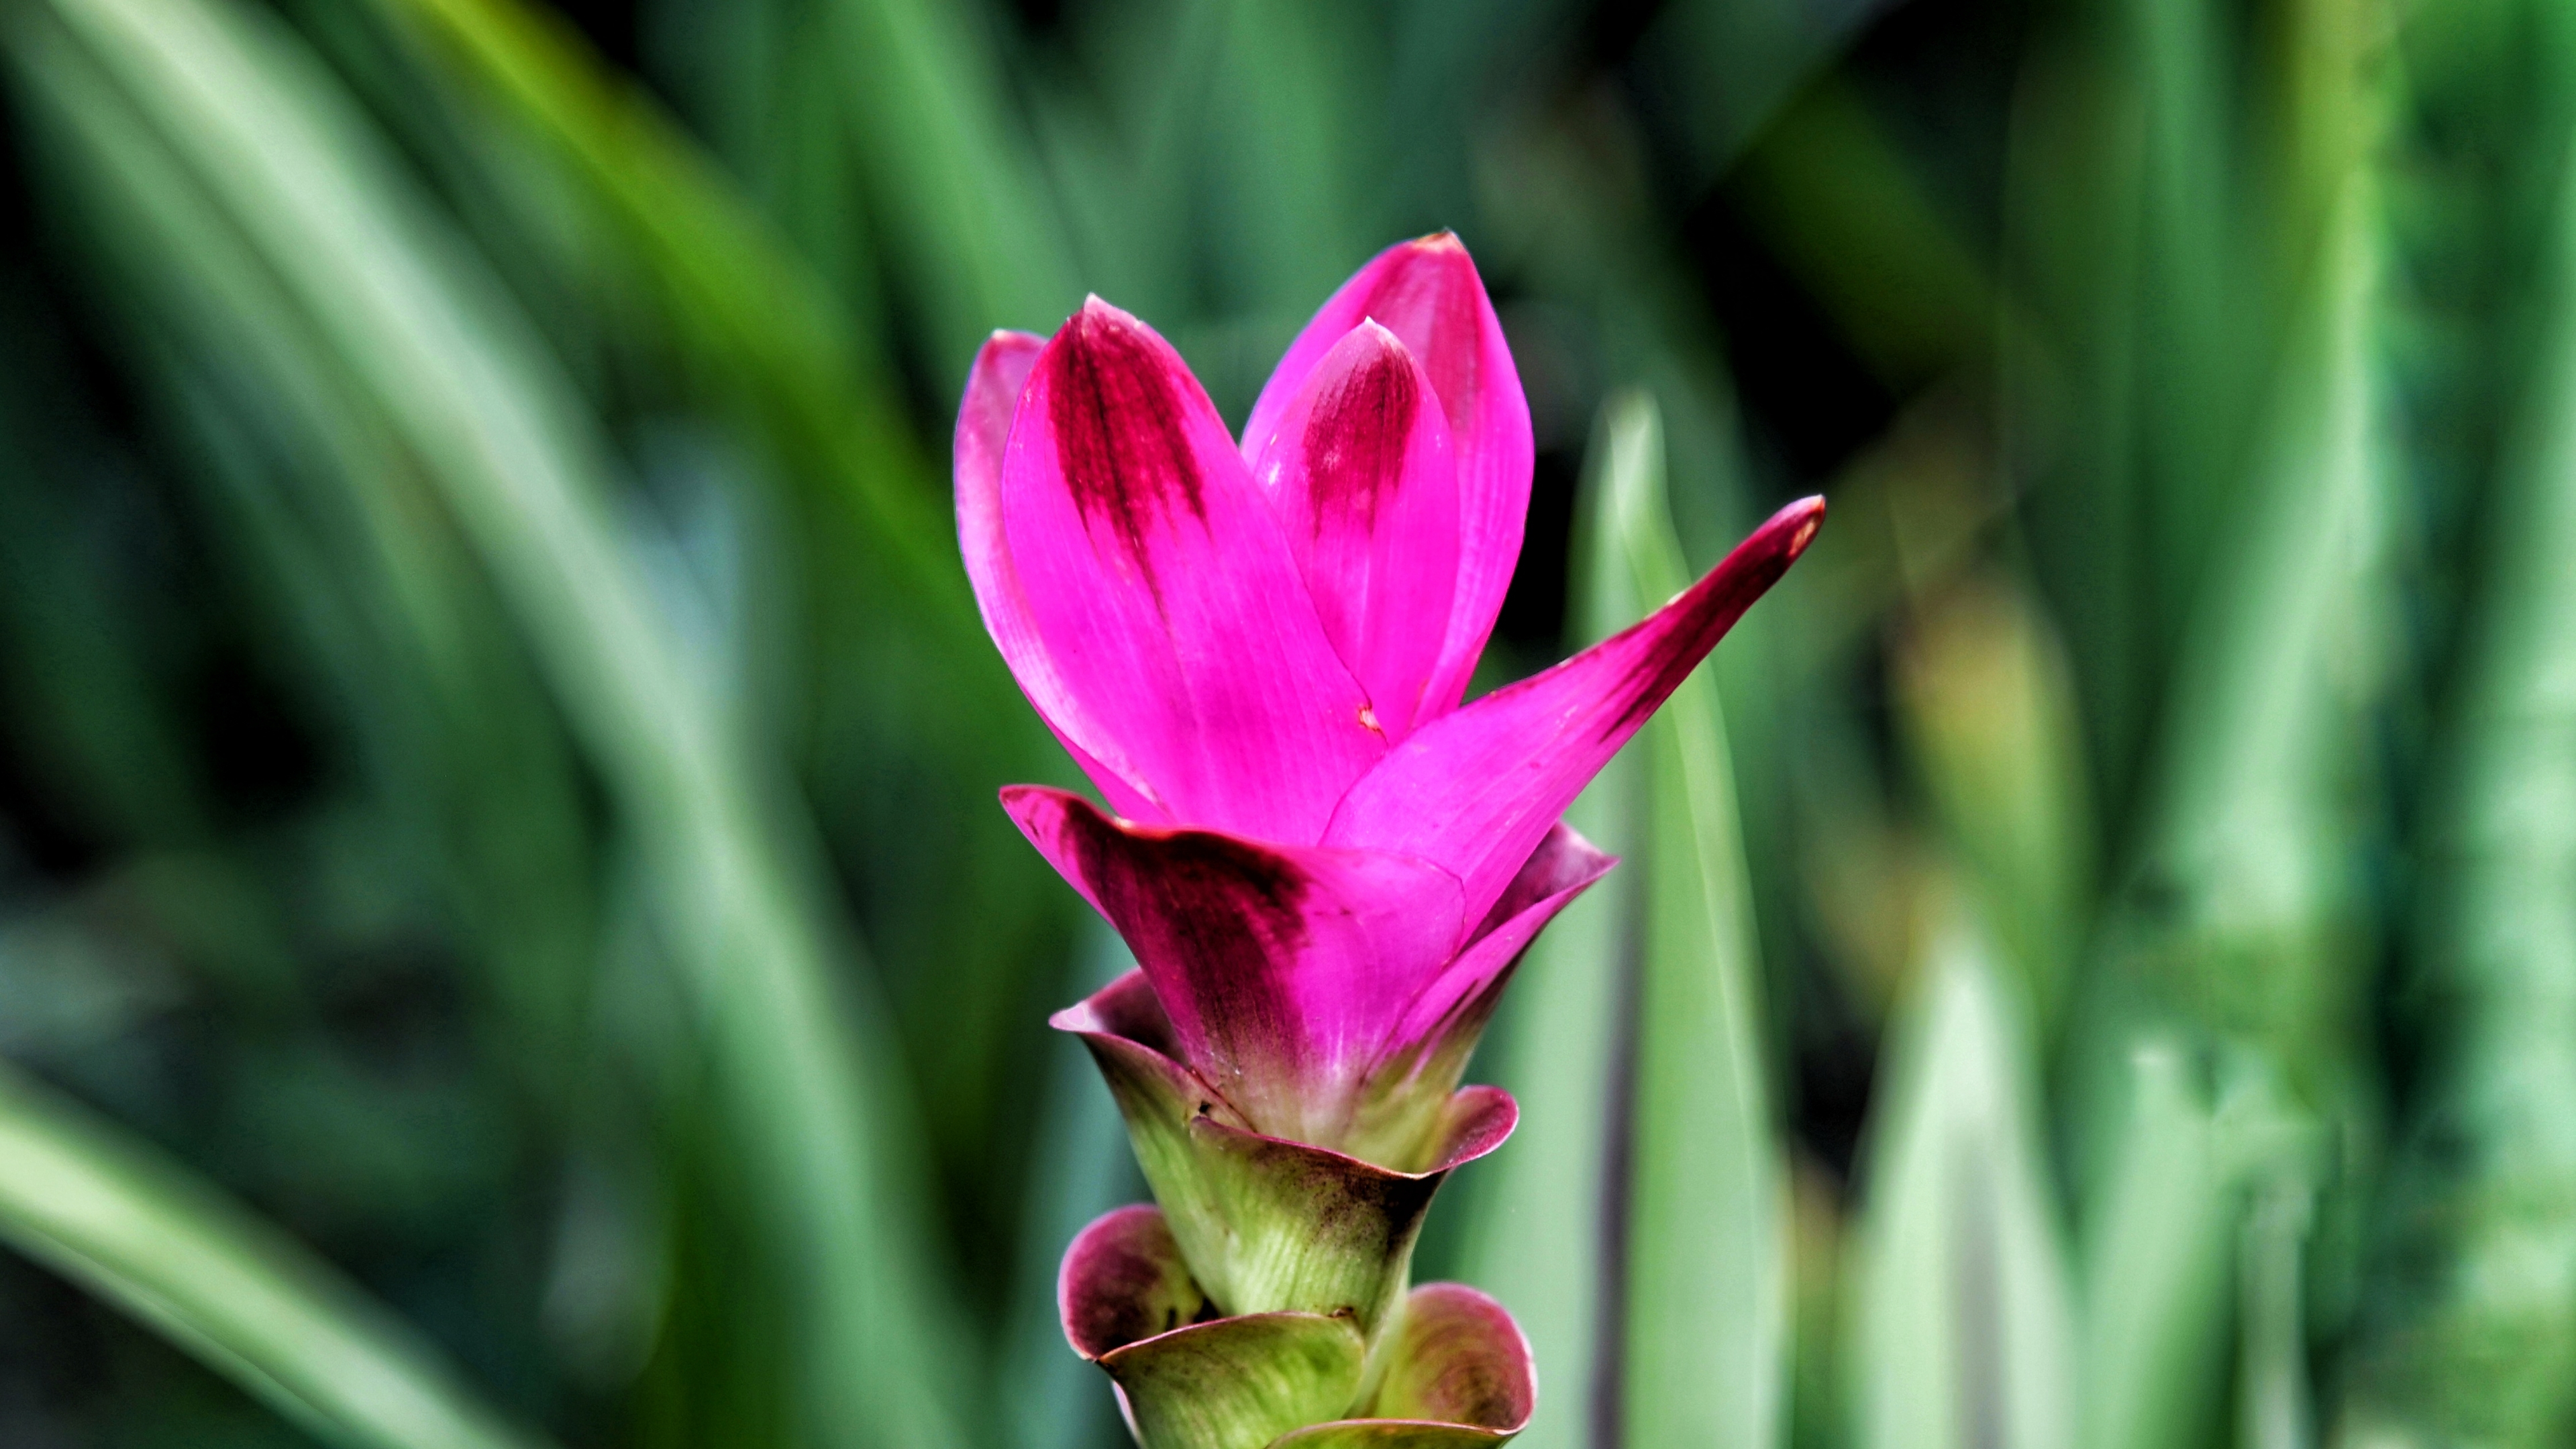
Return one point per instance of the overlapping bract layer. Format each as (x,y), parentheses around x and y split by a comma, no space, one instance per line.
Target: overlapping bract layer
(1451,1372)
(1325,865)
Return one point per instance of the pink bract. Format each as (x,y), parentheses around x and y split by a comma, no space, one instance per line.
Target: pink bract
(1257,650)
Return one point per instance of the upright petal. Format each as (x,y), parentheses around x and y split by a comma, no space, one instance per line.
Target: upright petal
(1165,594)
(993,389)
(1427,293)
(1477,791)
(1360,473)
(1280,968)
(1426,1052)
(1443,1021)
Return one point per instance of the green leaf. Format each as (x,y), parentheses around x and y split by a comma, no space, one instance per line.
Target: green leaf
(1964,1337)
(2197,1190)
(1536,1235)
(801,1067)
(1699,1349)
(1989,717)
(2476,1338)
(114,1215)
(1707,1261)
(738,297)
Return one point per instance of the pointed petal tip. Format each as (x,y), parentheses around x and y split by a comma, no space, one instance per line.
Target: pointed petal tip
(1802,519)
(1480,1119)
(1377,332)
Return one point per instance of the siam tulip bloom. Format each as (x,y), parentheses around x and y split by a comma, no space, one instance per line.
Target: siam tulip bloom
(1325,865)
(1257,654)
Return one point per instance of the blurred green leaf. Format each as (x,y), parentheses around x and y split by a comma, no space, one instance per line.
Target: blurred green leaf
(2203,1195)
(1707,1246)
(954,184)
(1964,1334)
(111,1214)
(817,1119)
(2246,914)
(1843,207)
(2475,1337)
(1989,714)
(1539,1236)
(1636,1050)
(769,326)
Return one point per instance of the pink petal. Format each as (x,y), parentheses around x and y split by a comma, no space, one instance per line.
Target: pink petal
(1461,1360)
(1360,474)
(1477,791)
(1123,1280)
(1443,1022)
(1280,968)
(1427,293)
(993,388)
(1165,594)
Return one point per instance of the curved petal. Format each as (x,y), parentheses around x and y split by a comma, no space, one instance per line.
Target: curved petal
(1281,968)
(1459,1375)
(1389,1434)
(1236,1381)
(1478,790)
(1360,473)
(1423,1057)
(1164,593)
(1224,1381)
(1427,293)
(993,389)
(1445,1018)
(1123,1280)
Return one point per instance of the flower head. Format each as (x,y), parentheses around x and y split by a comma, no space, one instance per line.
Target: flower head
(1257,651)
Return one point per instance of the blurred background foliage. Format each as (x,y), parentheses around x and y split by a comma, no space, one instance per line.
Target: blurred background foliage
(505,934)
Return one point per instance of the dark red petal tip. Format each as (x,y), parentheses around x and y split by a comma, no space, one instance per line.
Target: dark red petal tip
(1123,1281)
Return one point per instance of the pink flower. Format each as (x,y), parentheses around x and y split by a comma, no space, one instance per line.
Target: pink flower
(1257,651)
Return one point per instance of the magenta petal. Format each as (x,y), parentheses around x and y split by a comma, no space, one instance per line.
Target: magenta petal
(1366,490)
(1462,996)
(1478,790)
(993,389)
(1425,1055)
(1427,293)
(1165,594)
(1281,968)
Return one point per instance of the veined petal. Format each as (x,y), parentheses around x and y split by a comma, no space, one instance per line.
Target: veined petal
(1461,998)
(1427,293)
(1123,1280)
(1426,1053)
(993,389)
(1458,1376)
(1280,968)
(1164,594)
(1360,472)
(1478,790)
